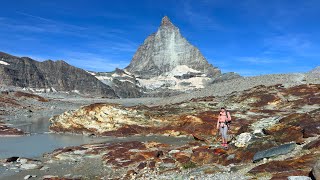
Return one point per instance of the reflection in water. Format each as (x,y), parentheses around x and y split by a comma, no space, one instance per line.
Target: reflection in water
(38,123)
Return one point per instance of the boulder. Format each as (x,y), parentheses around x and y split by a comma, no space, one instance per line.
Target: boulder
(316,170)
(295,166)
(243,139)
(29,166)
(275,151)
(283,133)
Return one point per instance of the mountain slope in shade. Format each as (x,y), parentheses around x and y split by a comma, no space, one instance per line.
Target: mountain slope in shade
(124,83)
(49,76)
(165,50)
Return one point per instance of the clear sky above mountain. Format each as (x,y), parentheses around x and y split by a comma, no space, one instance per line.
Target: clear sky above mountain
(250,37)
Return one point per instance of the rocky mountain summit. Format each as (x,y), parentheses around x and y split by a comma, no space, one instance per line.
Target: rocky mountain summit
(49,76)
(167,64)
(164,51)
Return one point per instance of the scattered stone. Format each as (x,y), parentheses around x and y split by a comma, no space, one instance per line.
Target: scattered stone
(49,177)
(44,168)
(299,178)
(174,151)
(231,156)
(22,160)
(30,176)
(12,159)
(243,139)
(276,151)
(29,166)
(27,177)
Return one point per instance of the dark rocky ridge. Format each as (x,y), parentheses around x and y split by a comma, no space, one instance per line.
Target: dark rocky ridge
(28,73)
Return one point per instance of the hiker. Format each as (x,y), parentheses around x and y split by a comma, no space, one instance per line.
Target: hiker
(223,122)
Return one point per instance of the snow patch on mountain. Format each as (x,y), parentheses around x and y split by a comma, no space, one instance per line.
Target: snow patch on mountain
(181,70)
(4,63)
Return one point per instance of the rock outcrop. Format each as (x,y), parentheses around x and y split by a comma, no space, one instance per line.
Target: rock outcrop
(49,76)
(101,119)
(9,131)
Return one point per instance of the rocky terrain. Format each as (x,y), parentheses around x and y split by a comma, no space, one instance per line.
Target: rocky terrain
(275,133)
(49,76)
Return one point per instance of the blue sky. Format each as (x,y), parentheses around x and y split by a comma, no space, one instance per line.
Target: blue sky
(250,37)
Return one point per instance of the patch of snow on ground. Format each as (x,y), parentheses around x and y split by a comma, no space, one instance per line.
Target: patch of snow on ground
(101,78)
(92,73)
(124,80)
(4,63)
(76,91)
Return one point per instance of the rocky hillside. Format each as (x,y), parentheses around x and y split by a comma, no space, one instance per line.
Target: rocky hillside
(124,83)
(49,76)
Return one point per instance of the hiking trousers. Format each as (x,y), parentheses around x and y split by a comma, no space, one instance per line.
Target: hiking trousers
(223,131)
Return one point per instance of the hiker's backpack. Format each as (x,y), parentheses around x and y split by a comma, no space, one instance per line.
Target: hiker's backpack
(229,121)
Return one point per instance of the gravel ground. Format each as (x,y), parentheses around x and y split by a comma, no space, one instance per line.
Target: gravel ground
(240,84)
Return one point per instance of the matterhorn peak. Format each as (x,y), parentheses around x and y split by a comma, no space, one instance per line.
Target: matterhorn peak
(166,50)
(166,21)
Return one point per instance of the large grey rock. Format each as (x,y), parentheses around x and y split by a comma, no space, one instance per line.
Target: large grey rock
(166,49)
(316,170)
(275,151)
(53,75)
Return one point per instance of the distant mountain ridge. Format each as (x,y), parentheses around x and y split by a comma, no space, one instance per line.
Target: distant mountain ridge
(49,76)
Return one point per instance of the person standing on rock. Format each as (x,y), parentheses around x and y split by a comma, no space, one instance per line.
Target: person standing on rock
(223,122)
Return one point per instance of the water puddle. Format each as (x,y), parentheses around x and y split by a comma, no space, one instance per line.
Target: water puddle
(35,145)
